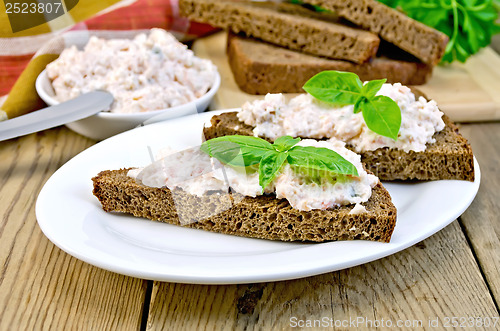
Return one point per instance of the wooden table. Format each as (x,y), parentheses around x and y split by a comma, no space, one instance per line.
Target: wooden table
(454,273)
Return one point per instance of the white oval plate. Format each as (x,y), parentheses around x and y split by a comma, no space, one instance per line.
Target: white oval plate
(72,218)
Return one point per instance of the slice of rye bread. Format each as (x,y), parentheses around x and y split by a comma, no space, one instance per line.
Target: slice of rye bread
(287,25)
(416,38)
(262,217)
(261,68)
(450,157)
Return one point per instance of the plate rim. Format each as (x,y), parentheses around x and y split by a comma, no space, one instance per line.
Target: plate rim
(221,279)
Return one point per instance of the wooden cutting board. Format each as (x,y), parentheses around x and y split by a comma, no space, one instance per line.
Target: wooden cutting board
(467,92)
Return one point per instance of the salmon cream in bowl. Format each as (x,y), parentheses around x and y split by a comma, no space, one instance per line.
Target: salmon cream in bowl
(152,77)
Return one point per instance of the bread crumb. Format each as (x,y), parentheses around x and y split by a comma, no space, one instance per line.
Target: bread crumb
(357,209)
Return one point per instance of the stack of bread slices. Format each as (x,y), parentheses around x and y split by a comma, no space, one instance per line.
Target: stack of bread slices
(275,47)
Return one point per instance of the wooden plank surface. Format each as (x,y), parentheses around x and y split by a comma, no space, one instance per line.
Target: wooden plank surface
(481,220)
(465,92)
(434,279)
(453,273)
(41,287)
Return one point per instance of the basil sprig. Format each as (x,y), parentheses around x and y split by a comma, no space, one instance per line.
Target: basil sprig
(381,114)
(245,151)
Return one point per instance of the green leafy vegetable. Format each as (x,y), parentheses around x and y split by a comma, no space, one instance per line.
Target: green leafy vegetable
(469,24)
(335,87)
(284,143)
(238,151)
(381,114)
(270,166)
(372,87)
(319,158)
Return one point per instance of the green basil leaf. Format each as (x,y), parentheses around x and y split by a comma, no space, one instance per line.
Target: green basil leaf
(341,88)
(239,151)
(383,116)
(358,106)
(246,151)
(229,153)
(371,88)
(285,143)
(335,87)
(269,167)
(320,158)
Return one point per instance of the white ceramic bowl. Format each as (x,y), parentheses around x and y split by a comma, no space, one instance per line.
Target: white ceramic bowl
(106,124)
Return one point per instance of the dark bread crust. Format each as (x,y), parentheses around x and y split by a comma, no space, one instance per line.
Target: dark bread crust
(262,217)
(450,157)
(286,25)
(416,38)
(261,68)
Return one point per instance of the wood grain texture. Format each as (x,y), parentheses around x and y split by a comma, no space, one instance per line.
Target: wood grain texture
(453,273)
(41,287)
(436,278)
(482,221)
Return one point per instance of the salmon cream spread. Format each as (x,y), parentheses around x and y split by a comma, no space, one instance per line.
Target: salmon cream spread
(200,174)
(305,116)
(147,73)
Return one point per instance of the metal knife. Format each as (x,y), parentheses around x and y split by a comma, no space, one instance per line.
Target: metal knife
(75,109)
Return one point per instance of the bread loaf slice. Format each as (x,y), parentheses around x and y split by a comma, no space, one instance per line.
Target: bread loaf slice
(286,25)
(416,38)
(262,217)
(450,157)
(261,68)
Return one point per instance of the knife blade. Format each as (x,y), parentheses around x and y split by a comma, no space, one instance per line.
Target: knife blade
(75,109)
